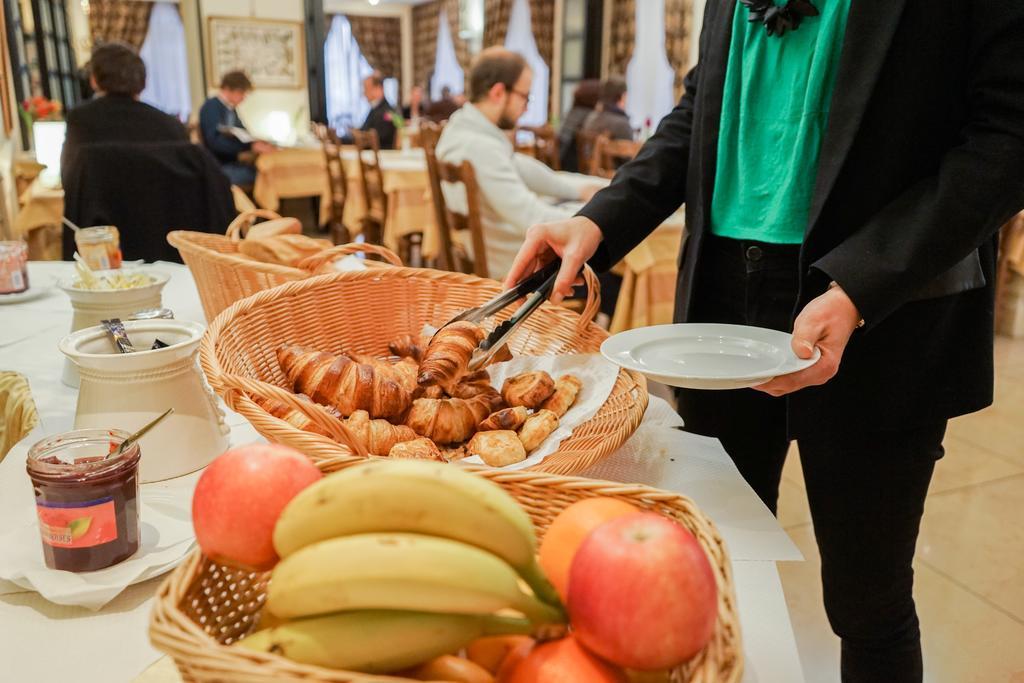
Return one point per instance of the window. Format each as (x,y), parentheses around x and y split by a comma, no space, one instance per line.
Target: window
(447,72)
(520,39)
(345,67)
(649,77)
(166,62)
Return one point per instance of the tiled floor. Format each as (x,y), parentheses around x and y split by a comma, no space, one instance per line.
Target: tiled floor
(970,556)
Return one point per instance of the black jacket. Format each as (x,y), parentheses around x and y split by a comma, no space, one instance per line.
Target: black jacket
(922,162)
(146,190)
(113,118)
(379,119)
(225,147)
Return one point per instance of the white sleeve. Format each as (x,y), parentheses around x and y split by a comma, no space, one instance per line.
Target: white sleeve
(507,194)
(542,180)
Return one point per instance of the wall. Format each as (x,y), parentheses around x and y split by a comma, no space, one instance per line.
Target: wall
(403,12)
(262,101)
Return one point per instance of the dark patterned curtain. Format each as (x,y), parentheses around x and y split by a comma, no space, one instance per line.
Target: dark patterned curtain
(496,14)
(542,21)
(123,21)
(380,41)
(623,36)
(424,38)
(678,18)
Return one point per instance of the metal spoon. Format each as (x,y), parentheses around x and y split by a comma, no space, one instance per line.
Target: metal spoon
(139,434)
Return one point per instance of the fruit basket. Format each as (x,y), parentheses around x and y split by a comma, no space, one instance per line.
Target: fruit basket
(203,607)
(223,276)
(361,312)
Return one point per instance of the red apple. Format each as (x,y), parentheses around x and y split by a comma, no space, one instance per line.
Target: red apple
(239,497)
(642,593)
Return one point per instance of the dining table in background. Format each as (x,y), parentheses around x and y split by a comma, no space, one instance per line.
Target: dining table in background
(38,220)
(112,644)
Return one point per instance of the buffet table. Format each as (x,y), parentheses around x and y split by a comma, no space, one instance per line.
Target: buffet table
(47,642)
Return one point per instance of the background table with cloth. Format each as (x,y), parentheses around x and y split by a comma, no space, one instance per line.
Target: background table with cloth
(112,644)
(38,220)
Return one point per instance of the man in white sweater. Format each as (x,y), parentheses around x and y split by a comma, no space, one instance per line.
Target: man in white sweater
(510,183)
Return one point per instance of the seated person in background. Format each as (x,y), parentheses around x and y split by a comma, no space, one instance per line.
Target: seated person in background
(117,75)
(584,100)
(499,88)
(610,116)
(380,116)
(446,106)
(216,116)
(417,107)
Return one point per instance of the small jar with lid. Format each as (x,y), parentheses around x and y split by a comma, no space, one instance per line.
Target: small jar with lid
(13,267)
(100,247)
(87,499)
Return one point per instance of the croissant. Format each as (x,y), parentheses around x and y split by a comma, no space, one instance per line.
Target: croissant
(422,448)
(509,418)
(377,436)
(453,453)
(446,359)
(567,388)
(529,389)
(409,346)
(448,420)
(497,448)
(403,372)
(296,418)
(473,384)
(537,428)
(343,383)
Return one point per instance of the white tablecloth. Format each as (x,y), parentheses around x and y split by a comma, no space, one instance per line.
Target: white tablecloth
(46,642)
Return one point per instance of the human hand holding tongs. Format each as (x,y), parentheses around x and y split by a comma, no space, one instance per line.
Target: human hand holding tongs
(536,288)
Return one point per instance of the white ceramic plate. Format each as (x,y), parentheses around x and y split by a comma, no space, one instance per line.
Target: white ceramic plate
(33,292)
(706,355)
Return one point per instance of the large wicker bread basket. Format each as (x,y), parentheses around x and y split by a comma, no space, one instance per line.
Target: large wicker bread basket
(203,607)
(361,312)
(223,275)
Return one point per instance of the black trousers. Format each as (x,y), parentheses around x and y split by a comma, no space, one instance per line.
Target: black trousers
(866,490)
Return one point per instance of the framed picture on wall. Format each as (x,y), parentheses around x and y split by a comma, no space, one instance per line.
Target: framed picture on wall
(271,52)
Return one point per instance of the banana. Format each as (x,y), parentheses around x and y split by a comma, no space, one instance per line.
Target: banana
(376,641)
(399,571)
(415,496)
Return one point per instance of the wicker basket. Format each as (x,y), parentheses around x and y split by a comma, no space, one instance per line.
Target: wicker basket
(223,276)
(202,607)
(363,311)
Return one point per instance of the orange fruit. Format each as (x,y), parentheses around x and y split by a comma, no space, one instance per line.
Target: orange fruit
(567,531)
(490,651)
(563,661)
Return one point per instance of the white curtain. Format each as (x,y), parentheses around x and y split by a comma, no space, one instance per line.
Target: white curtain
(447,71)
(345,67)
(649,76)
(520,39)
(166,61)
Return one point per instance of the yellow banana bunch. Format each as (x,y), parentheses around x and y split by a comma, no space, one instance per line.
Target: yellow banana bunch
(399,571)
(376,641)
(420,497)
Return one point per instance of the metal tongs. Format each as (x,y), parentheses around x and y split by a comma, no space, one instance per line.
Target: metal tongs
(537,288)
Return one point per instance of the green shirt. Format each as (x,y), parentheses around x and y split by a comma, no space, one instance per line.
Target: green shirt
(778,91)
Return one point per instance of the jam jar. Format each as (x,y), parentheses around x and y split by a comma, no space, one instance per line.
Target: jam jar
(13,267)
(87,499)
(100,247)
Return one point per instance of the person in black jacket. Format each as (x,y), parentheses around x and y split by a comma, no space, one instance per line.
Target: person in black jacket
(381,116)
(218,118)
(890,273)
(117,75)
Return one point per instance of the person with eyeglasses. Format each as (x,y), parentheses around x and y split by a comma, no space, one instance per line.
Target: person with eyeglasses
(516,190)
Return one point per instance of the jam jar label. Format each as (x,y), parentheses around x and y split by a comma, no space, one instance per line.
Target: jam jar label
(77,525)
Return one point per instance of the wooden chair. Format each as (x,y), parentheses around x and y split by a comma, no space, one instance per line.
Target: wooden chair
(337,181)
(372,180)
(610,154)
(585,150)
(544,145)
(454,258)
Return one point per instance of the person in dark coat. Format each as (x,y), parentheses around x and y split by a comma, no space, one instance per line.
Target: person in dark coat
(845,182)
(446,106)
(417,106)
(584,100)
(117,75)
(610,116)
(217,117)
(381,116)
